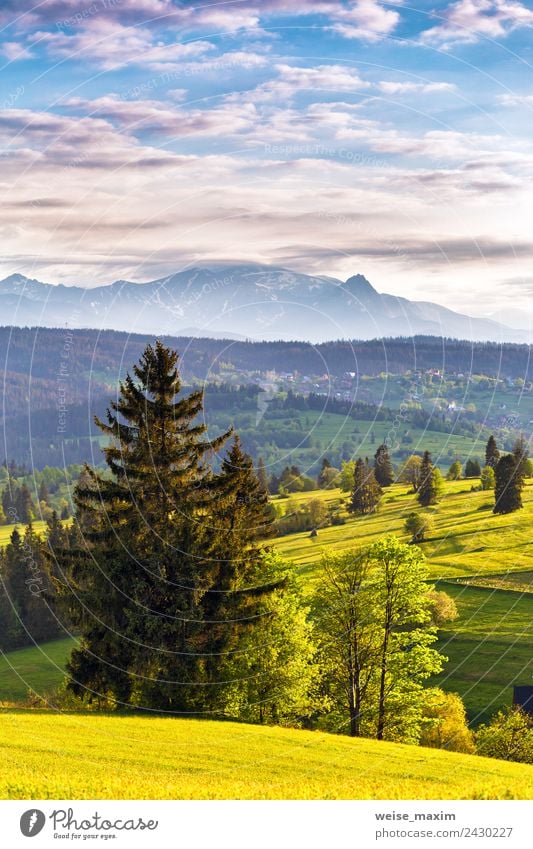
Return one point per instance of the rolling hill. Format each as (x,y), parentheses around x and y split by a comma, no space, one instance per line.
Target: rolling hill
(71,756)
(481,560)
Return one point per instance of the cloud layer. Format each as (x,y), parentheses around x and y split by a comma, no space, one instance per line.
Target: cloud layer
(336,136)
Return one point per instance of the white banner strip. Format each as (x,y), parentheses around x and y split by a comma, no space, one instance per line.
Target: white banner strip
(264,825)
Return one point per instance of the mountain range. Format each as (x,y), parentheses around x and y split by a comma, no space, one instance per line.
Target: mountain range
(236,300)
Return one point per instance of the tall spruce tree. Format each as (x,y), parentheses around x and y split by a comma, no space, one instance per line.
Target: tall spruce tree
(492,453)
(322,479)
(366,493)
(521,454)
(428,489)
(383,467)
(168,548)
(28,590)
(508,486)
(240,516)
(262,475)
(139,591)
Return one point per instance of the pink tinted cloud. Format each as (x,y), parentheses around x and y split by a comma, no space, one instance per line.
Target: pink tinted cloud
(466,21)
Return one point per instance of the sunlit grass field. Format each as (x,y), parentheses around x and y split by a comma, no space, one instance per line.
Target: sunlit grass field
(36,669)
(71,756)
(490,645)
(330,429)
(6,531)
(468,538)
(482,560)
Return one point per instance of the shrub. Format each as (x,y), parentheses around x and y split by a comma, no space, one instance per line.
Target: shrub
(418,525)
(455,472)
(445,725)
(508,736)
(443,608)
(488,478)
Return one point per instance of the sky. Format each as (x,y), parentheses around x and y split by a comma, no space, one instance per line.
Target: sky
(333,137)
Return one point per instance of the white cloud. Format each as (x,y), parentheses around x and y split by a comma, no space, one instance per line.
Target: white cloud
(365,19)
(113,46)
(466,21)
(392,88)
(89,190)
(137,116)
(516,99)
(292,79)
(14,51)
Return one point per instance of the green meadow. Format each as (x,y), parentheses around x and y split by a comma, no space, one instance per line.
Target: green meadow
(44,755)
(6,531)
(482,560)
(34,670)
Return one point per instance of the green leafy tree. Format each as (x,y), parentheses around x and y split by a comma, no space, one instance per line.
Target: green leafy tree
(438,482)
(292,480)
(411,472)
(442,608)
(163,590)
(374,625)
(472,469)
(329,478)
(28,589)
(44,495)
(323,479)
(405,638)
(366,493)
(419,525)
(383,470)
(445,725)
(492,453)
(455,472)
(346,480)
(488,478)
(14,595)
(240,516)
(520,454)
(273,673)
(508,736)
(262,475)
(349,640)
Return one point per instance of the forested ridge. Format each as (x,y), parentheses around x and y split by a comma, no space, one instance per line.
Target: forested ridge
(54,381)
(102,355)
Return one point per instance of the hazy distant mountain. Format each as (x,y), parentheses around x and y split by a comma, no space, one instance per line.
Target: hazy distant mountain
(240,300)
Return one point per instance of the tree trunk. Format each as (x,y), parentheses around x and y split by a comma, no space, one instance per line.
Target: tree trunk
(354,714)
(381,708)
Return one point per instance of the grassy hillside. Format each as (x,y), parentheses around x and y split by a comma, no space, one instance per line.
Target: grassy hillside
(6,531)
(490,647)
(39,669)
(468,539)
(482,560)
(45,755)
(327,432)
